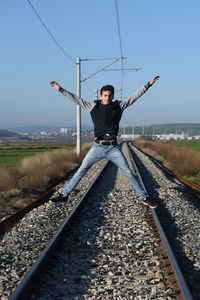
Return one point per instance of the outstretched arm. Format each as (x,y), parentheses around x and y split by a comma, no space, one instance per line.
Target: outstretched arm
(72,97)
(138,93)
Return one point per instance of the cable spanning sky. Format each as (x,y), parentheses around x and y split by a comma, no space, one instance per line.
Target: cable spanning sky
(41,40)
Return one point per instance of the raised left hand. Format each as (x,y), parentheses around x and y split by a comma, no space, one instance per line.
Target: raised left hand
(152,81)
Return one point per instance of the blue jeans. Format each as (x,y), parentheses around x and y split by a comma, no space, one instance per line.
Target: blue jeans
(112,153)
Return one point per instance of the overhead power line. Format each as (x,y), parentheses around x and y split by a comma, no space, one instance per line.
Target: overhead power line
(102,69)
(120,45)
(118,27)
(127,70)
(66,54)
(49,32)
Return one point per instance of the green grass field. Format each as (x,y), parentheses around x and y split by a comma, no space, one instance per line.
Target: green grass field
(195,145)
(181,157)
(11,156)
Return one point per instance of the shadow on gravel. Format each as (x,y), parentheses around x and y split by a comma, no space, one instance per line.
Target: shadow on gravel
(189,195)
(70,272)
(150,183)
(173,232)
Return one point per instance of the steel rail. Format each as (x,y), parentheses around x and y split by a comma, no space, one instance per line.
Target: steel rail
(189,183)
(7,223)
(186,182)
(185,291)
(25,285)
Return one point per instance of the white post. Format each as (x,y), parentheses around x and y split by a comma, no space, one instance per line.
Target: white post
(124,131)
(143,130)
(133,131)
(97,94)
(78,109)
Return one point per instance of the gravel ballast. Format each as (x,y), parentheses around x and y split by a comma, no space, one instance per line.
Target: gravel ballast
(112,240)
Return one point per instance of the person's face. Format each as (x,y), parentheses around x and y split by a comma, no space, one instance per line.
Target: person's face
(106,97)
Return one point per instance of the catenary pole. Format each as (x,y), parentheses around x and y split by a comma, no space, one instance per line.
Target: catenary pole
(78,82)
(97,94)
(133,131)
(78,108)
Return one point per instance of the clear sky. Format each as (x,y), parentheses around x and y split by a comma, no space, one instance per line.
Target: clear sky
(160,37)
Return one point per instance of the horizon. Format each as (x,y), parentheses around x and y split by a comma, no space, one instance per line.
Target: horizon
(91,126)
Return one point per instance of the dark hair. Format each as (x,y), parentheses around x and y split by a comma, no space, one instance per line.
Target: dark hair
(107,88)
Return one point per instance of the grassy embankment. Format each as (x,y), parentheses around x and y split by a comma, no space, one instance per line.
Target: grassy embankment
(182,158)
(26,172)
(12,155)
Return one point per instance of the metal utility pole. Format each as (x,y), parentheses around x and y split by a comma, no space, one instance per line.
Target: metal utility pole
(124,131)
(97,94)
(133,131)
(78,108)
(143,130)
(78,82)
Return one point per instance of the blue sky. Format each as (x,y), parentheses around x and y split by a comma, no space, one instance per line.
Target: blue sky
(160,37)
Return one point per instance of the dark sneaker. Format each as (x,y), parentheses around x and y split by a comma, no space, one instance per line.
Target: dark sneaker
(60,198)
(148,201)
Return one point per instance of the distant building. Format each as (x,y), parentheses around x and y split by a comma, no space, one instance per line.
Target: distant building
(63,130)
(171,137)
(43,133)
(197,137)
(127,137)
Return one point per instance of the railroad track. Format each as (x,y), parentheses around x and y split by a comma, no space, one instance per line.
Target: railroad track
(188,183)
(8,222)
(114,262)
(22,244)
(192,185)
(178,211)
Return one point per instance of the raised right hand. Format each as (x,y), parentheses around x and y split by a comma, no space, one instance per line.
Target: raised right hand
(55,85)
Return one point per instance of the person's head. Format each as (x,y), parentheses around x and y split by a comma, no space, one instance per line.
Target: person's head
(107,94)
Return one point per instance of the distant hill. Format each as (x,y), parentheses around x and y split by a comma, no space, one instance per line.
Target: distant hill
(187,128)
(34,128)
(5,133)
(176,128)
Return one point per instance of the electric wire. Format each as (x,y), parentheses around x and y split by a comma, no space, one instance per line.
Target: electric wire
(102,69)
(120,46)
(103,58)
(52,36)
(118,27)
(66,54)
(124,119)
(49,32)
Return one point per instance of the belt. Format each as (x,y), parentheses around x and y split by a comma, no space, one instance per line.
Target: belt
(106,143)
